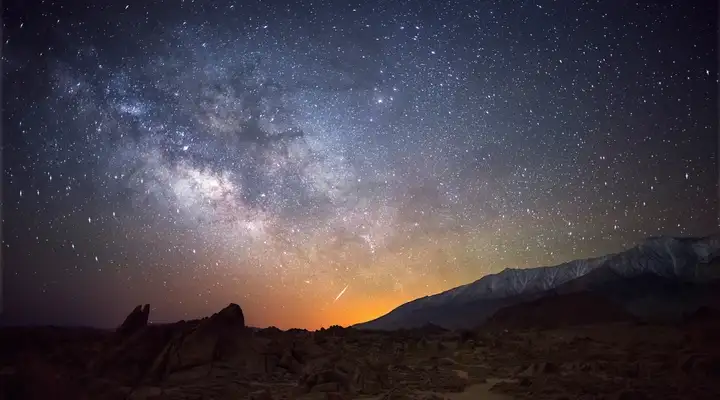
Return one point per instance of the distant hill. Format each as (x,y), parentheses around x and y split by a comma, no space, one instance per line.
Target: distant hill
(661,278)
(557,311)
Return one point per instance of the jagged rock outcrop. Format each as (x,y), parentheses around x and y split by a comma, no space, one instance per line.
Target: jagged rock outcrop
(219,337)
(150,353)
(219,358)
(136,320)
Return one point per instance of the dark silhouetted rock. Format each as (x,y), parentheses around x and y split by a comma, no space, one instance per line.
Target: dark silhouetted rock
(539,369)
(344,375)
(230,316)
(270,331)
(219,337)
(130,359)
(135,321)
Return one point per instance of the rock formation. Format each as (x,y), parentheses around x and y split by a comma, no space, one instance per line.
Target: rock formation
(219,357)
(136,320)
(219,337)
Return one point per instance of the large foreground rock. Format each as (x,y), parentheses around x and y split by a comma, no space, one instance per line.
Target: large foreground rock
(143,353)
(220,337)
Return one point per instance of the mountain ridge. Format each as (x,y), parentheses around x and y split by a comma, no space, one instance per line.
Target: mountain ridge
(684,258)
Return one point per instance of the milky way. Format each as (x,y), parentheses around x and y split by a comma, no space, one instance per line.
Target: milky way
(321,163)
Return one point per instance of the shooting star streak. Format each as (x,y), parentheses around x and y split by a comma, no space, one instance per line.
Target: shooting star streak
(341,292)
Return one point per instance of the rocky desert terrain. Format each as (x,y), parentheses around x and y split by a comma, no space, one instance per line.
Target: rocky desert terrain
(508,358)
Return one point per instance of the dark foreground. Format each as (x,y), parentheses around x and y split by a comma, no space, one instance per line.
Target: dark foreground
(219,358)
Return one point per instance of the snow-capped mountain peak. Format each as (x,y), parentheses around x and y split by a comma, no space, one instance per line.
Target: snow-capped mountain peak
(687,258)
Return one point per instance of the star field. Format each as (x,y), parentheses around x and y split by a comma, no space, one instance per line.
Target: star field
(320,163)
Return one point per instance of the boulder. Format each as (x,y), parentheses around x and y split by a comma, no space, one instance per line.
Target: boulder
(462,374)
(290,363)
(344,375)
(445,381)
(539,369)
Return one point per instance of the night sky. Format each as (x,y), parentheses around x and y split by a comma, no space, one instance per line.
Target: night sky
(322,162)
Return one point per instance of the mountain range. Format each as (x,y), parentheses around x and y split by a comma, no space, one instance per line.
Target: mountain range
(660,279)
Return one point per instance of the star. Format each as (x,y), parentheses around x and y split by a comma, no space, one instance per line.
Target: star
(275,155)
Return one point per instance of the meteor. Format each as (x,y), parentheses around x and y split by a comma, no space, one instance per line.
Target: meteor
(341,292)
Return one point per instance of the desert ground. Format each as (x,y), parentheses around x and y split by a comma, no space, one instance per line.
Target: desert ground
(220,358)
